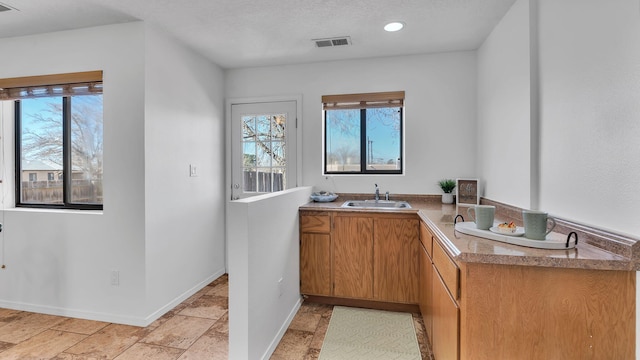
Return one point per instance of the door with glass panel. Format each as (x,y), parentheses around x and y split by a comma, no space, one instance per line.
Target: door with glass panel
(263,148)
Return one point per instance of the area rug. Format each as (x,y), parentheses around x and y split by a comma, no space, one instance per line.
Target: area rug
(356,333)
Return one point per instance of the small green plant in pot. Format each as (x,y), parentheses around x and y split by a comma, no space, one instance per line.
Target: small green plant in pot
(447,185)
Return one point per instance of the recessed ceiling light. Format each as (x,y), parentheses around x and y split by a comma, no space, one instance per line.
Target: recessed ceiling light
(394,26)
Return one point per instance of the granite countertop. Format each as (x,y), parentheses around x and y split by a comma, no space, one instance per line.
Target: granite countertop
(472,249)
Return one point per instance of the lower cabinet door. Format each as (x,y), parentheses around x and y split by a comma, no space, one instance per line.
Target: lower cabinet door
(426,292)
(353,257)
(315,264)
(446,322)
(396,260)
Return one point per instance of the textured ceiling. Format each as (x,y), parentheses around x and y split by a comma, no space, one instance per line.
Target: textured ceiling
(243,33)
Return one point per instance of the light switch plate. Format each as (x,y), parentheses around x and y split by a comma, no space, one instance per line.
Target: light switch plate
(193,170)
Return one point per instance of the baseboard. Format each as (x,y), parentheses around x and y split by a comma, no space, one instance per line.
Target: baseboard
(110,317)
(283,329)
(73,313)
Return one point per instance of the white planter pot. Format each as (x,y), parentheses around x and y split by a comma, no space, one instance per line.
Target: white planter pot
(447,198)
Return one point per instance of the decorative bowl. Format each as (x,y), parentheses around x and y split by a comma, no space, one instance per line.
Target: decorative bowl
(323,196)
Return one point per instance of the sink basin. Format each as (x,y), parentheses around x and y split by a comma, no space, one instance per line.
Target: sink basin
(373,204)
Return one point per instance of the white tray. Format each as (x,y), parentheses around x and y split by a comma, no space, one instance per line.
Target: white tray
(469,228)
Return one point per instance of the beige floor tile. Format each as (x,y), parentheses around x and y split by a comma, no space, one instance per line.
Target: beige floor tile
(318,336)
(313,354)
(7,315)
(28,326)
(221,325)
(179,331)
(305,321)
(108,342)
(421,334)
(219,290)
(209,346)
(42,346)
(168,315)
(65,356)
(210,307)
(80,326)
(141,351)
(294,345)
(322,309)
(5,345)
(224,279)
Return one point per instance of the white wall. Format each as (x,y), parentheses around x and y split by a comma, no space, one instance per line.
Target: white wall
(264,247)
(588,109)
(504,116)
(184,125)
(588,75)
(440,113)
(59,262)
(590,113)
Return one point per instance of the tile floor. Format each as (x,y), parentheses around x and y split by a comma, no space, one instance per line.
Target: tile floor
(195,329)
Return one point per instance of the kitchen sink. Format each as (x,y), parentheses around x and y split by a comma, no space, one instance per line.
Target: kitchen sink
(376,204)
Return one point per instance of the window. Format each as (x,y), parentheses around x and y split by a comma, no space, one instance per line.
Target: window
(263,141)
(58,122)
(263,147)
(363,133)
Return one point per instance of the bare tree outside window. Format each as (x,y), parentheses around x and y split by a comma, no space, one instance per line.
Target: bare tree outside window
(42,144)
(363,140)
(264,152)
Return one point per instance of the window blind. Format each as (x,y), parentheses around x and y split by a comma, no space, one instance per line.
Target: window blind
(80,83)
(363,101)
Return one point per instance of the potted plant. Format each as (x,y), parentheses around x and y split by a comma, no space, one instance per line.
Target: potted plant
(447,185)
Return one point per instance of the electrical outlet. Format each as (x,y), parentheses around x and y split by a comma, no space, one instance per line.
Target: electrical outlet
(115,278)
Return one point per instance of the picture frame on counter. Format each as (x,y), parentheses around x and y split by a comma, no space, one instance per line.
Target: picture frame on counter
(467,192)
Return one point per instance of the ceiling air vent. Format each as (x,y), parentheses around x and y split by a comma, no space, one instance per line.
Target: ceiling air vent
(329,42)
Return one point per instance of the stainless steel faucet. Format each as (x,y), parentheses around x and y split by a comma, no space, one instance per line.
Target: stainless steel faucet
(377,192)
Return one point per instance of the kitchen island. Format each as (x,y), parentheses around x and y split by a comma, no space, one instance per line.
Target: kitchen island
(483,299)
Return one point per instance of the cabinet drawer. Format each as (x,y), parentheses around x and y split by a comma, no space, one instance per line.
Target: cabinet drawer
(426,239)
(318,223)
(447,269)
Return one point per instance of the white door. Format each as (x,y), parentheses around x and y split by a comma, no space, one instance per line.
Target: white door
(263,148)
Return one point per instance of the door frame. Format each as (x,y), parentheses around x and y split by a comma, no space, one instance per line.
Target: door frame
(227,146)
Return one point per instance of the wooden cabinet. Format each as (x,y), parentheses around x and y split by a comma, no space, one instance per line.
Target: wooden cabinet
(445,310)
(353,257)
(446,318)
(315,253)
(439,291)
(529,312)
(360,256)
(396,260)
(315,264)
(495,311)
(426,280)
